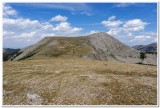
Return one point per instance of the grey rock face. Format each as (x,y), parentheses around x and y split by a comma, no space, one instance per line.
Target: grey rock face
(108,48)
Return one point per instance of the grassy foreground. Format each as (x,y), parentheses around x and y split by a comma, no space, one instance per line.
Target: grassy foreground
(78,81)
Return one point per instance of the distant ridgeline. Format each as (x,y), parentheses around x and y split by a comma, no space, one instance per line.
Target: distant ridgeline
(149,52)
(8,53)
(98,46)
(150,48)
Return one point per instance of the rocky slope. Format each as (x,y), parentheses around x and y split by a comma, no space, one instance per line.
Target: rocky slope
(108,48)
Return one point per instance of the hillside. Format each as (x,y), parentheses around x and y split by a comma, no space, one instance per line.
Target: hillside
(150,51)
(147,48)
(8,53)
(58,81)
(99,46)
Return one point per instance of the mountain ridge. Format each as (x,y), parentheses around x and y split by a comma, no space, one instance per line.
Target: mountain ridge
(147,48)
(98,46)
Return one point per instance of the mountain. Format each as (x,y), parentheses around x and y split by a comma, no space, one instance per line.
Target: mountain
(99,46)
(150,51)
(147,48)
(8,53)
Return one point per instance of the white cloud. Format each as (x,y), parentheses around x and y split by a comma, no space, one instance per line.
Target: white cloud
(111,18)
(122,5)
(65,28)
(59,18)
(21,28)
(138,28)
(75,29)
(27,35)
(115,31)
(8,11)
(62,26)
(124,28)
(48,35)
(134,22)
(93,31)
(85,13)
(129,31)
(21,24)
(111,23)
(8,33)
(142,37)
(156,39)
(134,25)
(26,28)
(130,34)
(47,26)
(65,6)
(74,8)
(150,33)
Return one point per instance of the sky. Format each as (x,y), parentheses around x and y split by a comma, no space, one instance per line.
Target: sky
(25,24)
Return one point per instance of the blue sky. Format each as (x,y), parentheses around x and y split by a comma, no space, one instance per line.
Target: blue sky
(26,23)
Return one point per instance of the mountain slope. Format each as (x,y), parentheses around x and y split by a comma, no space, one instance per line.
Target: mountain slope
(56,47)
(147,48)
(108,48)
(8,53)
(100,46)
(150,52)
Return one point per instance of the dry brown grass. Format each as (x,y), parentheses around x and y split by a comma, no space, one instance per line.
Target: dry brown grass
(78,81)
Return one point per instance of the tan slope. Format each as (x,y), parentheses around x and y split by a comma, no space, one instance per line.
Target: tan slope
(56,47)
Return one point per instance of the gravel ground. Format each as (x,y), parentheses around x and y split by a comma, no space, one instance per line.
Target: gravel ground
(78,82)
